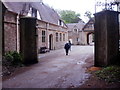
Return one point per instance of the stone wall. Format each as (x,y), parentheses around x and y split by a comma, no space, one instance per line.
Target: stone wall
(10,31)
(51,29)
(82,37)
(11,34)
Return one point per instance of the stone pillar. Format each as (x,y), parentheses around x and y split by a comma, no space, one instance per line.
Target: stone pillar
(2,13)
(1,31)
(1,44)
(106,37)
(28,40)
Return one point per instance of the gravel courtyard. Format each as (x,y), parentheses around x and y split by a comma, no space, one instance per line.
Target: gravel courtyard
(55,70)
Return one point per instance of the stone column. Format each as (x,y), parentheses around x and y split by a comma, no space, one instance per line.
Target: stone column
(2,13)
(106,37)
(1,31)
(28,40)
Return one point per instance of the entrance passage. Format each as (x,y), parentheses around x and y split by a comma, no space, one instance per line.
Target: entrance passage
(51,42)
(55,70)
(90,38)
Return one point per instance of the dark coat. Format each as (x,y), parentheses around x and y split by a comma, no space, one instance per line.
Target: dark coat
(67,46)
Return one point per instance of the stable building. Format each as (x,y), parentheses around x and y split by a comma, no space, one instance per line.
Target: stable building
(88,30)
(75,33)
(81,33)
(51,31)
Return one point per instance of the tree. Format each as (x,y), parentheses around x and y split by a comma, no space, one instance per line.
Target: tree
(88,14)
(69,16)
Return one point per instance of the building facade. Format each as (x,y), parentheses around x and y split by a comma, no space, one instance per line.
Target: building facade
(75,33)
(81,33)
(52,31)
(88,30)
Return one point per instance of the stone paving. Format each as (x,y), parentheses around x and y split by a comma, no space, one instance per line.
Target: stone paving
(55,70)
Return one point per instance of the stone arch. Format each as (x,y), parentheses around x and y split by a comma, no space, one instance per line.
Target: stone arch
(90,38)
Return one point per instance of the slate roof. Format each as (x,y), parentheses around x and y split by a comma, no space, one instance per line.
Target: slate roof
(14,6)
(47,14)
(78,25)
(89,26)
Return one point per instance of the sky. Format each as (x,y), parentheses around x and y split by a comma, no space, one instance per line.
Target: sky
(79,6)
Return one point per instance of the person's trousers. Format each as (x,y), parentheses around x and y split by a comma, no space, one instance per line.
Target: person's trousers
(66,51)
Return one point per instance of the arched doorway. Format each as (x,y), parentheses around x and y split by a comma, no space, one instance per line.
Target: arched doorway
(90,38)
(51,42)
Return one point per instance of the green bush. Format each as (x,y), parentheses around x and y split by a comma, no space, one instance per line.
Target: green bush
(109,74)
(13,57)
(9,57)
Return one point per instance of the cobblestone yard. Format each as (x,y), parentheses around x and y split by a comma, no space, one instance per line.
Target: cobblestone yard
(55,70)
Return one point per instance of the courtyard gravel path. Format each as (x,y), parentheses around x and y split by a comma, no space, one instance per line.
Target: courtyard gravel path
(55,70)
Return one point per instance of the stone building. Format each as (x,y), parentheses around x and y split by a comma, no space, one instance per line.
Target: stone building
(88,30)
(81,33)
(51,30)
(75,33)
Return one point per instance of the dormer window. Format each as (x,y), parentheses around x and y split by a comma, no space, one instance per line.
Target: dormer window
(32,12)
(38,15)
(75,30)
(60,22)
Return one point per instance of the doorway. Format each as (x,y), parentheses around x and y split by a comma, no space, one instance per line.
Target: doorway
(90,38)
(51,42)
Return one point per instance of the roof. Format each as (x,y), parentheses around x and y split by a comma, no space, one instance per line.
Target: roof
(78,25)
(47,14)
(89,26)
(15,7)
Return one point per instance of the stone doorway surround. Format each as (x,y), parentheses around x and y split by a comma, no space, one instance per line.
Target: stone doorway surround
(51,42)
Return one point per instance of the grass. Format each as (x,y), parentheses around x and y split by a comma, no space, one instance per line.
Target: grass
(109,74)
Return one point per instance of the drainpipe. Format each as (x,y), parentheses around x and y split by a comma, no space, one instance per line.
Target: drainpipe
(17,35)
(82,41)
(47,37)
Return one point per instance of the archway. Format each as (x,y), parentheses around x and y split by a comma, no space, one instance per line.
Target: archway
(51,42)
(90,38)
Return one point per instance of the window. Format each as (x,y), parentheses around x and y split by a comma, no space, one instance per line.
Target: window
(63,37)
(43,36)
(77,39)
(32,12)
(29,13)
(60,37)
(60,23)
(75,30)
(56,37)
(38,15)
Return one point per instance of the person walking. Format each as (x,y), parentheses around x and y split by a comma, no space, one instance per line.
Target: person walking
(70,45)
(67,47)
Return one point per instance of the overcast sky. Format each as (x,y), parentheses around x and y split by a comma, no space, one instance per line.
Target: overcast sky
(79,6)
